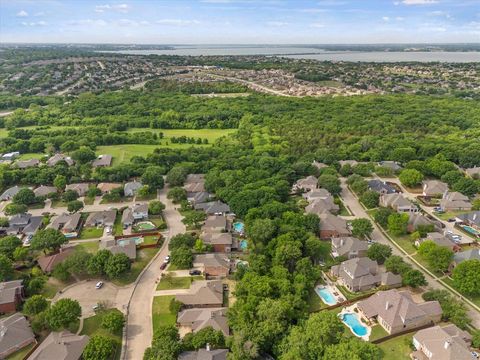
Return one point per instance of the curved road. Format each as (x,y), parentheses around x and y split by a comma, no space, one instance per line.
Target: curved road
(139,321)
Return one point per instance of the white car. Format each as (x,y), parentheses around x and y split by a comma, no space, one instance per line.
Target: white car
(167,259)
(99,285)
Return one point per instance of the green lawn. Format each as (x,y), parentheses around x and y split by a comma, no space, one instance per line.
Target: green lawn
(182,282)
(117,226)
(351,295)
(29,156)
(20,354)
(92,326)
(88,200)
(143,258)
(91,233)
(377,333)
(88,246)
(52,286)
(210,134)
(161,314)
(405,243)
(397,348)
(58,203)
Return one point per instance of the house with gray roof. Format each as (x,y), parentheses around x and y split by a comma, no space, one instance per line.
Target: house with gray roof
(24,224)
(396,311)
(44,190)
(66,223)
(393,165)
(440,240)
(194,320)
(101,218)
(221,242)
(204,354)
(123,246)
(198,197)
(60,346)
(11,295)
(455,201)
(104,160)
(215,223)
(332,226)
(203,294)
(317,194)
(397,202)
(131,188)
(306,184)
(381,187)
(10,193)
(352,163)
(25,164)
(434,188)
(361,274)
(15,334)
(319,206)
(194,183)
(213,208)
(473,172)
(442,343)
(134,213)
(416,219)
(472,254)
(349,247)
(213,265)
(471,219)
(55,159)
(80,188)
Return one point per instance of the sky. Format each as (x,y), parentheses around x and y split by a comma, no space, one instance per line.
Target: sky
(240,21)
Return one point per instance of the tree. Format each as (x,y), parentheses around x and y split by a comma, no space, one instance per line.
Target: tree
(361,228)
(113,321)
(93,191)
(48,239)
(476,339)
(438,257)
(414,278)
(61,272)
(35,305)
(77,263)
(381,216)
(200,339)
(452,310)
(155,207)
(353,348)
(261,231)
(194,218)
(63,313)
(83,155)
(410,177)
(182,258)
(25,196)
(6,268)
(153,177)
(396,265)
(70,195)
(330,183)
(35,285)
(13,209)
(99,348)
(379,252)
(186,240)
(466,186)
(4,222)
(466,277)
(20,254)
(117,265)
(60,182)
(370,199)
(177,194)
(96,264)
(177,175)
(8,244)
(165,344)
(74,206)
(397,223)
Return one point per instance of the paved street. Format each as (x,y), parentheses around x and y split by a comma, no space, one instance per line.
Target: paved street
(139,323)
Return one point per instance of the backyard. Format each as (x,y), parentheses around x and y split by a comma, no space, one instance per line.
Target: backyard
(397,348)
(143,258)
(181,282)
(161,314)
(91,233)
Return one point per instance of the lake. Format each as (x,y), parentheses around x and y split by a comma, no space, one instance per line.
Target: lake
(305,52)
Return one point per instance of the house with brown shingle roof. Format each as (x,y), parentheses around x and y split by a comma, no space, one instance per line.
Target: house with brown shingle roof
(416,219)
(215,223)
(397,202)
(105,188)
(221,242)
(204,354)
(80,188)
(332,226)
(442,343)
(101,218)
(11,295)
(455,201)
(434,188)
(203,294)
(440,240)
(43,190)
(211,265)
(473,172)
(349,247)
(306,184)
(396,311)
(24,164)
(194,183)
(124,246)
(15,334)
(194,320)
(55,159)
(102,161)
(66,223)
(60,346)
(317,194)
(319,206)
(48,262)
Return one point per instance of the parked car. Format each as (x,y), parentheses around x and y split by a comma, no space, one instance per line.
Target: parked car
(99,285)
(195,272)
(167,259)
(96,307)
(163,266)
(451,220)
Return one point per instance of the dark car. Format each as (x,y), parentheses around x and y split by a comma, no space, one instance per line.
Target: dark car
(195,272)
(163,266)
(451,220)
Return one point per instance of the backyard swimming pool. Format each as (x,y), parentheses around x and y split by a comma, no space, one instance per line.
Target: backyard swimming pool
(144,226)
(470,230)
(238,227)
(138,240)
(353,322)
(243,244)
(326,295)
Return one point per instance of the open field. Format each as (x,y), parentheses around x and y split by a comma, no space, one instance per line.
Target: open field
(160,312)
(210,134)
(182,282)
(397,348)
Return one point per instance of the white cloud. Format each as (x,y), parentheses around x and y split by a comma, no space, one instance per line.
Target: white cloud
(22,13)
(419,2)
(386,18)
(317,25)
(177,22)
(38,23)
(439,13)
(122,8)
(88,22)
(399,18)
(276,23)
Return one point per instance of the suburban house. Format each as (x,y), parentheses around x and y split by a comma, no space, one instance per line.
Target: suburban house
(101,218)
(397,202)
(396,311)
(390,165)
(80,188)
(443,343)
(15,334)
(332,226)
(24,164)
(221,242)
(471,219)
(68,224)
(361,274)
(198,197)
(131,188)
(215,223)
(102,161)
(213,208)
(60,346)
(134,213)
(319,165)
(455,201)
(440,240)
(348,247)
(43,190)
(204,354)
(48,262)
(381,187)
(24,224)
(416,219)
(10,193)
(317,194)
(213,265)
(194,183)
(306,184)
(352,163)
(106,188)
(434,188)
(126,246)
(193,320)
(11,295)
(203,294)
(55,159)
(472,254)
(319,206)
(473,172)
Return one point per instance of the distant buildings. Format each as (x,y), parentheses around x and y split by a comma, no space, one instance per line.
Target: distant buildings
(130,188)
(102,161)
(55,159)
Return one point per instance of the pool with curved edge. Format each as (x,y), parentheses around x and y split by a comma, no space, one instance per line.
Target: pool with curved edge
(326,295)
(353,322)
(238,227)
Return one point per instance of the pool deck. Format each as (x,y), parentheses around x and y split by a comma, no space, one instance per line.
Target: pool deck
(351,310)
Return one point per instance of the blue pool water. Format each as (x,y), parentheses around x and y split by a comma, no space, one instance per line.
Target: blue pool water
(326,296)
(352,321)
(138,240)
(243,244)
(470,230)
(238,227)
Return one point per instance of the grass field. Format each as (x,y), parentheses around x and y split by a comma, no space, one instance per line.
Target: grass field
(28,156)
(397,348)
(182,282)
(91,233)
(161,314)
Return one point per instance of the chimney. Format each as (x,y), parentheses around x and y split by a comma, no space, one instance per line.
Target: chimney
(208,347)
(447,344)
(387,305)
(342,241)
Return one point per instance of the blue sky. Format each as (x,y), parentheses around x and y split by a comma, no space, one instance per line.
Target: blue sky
(240,21)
